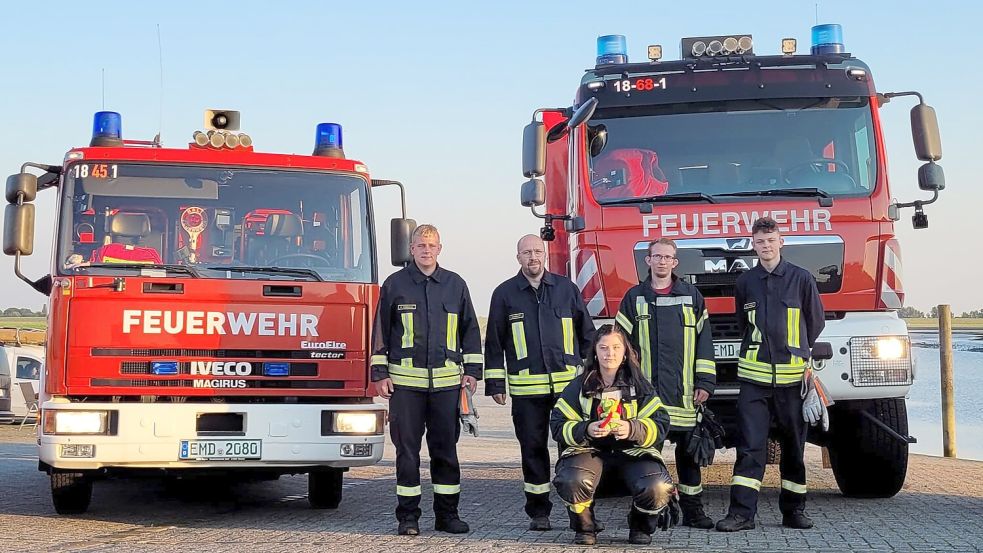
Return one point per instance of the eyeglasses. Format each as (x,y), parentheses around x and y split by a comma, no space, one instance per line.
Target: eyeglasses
(532,253)
(657,257)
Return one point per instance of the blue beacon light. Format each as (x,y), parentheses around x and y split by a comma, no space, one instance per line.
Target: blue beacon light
(328,141)
(164,367)
(107,129)
(827,39)
(612,49)
(276,369)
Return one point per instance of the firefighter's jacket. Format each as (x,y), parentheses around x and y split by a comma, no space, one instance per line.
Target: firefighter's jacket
(574,411)
(780,316)
(426,333)
(540,336)
(671,334)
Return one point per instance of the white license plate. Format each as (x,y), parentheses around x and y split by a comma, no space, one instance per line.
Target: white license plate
(726,350)
(221,450)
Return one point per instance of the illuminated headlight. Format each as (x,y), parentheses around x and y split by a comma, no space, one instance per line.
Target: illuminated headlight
(75,422)
(888,348)
(356,423)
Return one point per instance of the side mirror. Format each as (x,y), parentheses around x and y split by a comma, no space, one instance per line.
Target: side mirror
(894,212)
(583,114)
(534,150)
(822,350)
(24,184)
(400,233)
(925,133)
(533,193)
(931,177)
(18,229)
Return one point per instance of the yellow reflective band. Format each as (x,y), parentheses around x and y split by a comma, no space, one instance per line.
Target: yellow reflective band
(566,410)
(639,451)
(379,360)
(452,331)
(474,358)
(409,381)
(568,432)
(651,432)
(746,482)
(793,326)
(447,489)
(579,507)
(755,333)
(535,488)
(690,490)
(704,317)
(705,366)
(647,511)
(407,330)
(519,339)
(689,353)
(408,491)
(493,373)
(631,409)
(529,389)
(624,322)
(567,323)
(649,408)
(644,339)
(793,487)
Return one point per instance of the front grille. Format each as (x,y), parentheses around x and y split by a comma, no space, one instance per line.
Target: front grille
(184,367)
(871,371)
(208,353)
(716,285)
(724,327)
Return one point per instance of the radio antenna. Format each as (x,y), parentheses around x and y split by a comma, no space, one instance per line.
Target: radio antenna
(160,59)
(103,89)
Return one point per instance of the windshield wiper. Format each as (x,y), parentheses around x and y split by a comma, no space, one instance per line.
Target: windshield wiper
(268,270)
(810,192)
(158,266)
(685,197)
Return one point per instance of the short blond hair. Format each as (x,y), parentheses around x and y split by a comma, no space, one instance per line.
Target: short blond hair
(665,242)
(424,231)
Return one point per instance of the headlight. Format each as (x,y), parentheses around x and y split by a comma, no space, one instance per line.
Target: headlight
(75,422)
(888,348)
(356,423)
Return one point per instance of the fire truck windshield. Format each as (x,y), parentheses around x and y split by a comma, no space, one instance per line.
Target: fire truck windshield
(214,222)
(747,146)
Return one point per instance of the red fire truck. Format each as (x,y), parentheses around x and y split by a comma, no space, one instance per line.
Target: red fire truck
(695,150)
(209,309)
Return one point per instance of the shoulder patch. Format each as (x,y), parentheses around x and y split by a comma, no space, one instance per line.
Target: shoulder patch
(406,307)
(516,316)
(750,305)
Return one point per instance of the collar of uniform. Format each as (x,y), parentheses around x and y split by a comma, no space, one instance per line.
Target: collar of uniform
(779,269)
(419,277)
(524,283)
(674,291)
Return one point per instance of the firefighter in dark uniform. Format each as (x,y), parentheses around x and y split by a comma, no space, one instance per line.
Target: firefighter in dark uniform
(780,317)
(669,326)
(539,328)
(426,346)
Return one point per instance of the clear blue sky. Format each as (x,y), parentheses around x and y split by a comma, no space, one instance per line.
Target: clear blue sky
(435,94)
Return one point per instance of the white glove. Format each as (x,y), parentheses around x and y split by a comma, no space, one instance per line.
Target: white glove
(813,407)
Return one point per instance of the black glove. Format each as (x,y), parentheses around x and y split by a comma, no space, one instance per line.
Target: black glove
(669,516)
(705,438)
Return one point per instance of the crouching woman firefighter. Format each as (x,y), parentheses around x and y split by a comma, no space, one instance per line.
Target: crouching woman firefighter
(609,421)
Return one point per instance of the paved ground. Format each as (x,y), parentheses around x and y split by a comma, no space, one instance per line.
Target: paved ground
(940,509)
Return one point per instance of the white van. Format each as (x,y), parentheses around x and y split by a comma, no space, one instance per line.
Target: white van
(18,363)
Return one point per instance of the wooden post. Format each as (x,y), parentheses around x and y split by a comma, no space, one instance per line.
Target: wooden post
(948,403)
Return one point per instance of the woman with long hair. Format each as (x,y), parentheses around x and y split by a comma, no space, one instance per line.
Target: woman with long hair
(610,421)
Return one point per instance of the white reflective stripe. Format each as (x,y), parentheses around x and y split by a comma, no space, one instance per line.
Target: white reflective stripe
(755,333)
(567,411)
(793,326)
(535,488)
(407,330)
(644,339)
(447,489)
(666,301)
(747,482)
(596,304)
(452,331)
(690,490)
(689,354)
(624,321)
(408,491)
(567,324)
(793,487)
(587,271)
(519,339)
(474,358)
(647,511)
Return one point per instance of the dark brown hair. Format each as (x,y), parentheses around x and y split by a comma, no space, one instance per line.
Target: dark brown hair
(628,371)
(765,225)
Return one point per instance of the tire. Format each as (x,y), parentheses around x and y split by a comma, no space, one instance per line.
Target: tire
(324,488)
(866,460)
(71,492)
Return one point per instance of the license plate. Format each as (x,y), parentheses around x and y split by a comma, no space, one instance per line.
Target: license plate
(726,350)
(220,450)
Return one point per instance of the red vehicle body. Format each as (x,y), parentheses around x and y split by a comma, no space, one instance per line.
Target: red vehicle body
(696,150)
(228,333)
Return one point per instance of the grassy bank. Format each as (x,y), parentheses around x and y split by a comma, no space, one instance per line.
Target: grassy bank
(933,324)
(32,329)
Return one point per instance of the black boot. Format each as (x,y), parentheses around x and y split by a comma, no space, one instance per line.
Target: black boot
(693,515)
(797,519)
(734,523)
(451,525)
(639,537)
(583,524)
(540,524)
(408,527)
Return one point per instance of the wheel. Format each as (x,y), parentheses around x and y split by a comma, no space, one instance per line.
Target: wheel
(866,460)
(71,492)
(324,488)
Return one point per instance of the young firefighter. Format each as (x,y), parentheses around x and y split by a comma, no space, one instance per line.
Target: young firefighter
(668,324)
(539,328)
(780,317)
(609,421)
(426,345)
